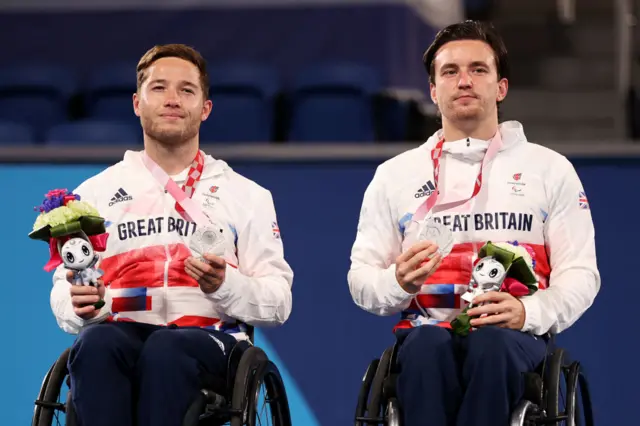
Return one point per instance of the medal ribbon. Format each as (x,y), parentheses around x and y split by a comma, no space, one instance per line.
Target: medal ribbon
(184,204)
(436,154)
(430,202)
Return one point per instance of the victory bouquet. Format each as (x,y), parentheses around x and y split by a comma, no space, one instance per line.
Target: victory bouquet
(505,267)
(74,231)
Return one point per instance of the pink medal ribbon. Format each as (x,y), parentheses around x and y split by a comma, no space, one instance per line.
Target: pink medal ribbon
(184,204)
(436,154)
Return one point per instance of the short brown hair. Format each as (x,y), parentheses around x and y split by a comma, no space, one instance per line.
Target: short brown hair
(181,51)
(468,30)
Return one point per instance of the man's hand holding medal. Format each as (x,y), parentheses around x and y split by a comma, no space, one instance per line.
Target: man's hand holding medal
(207,266)
(419,262)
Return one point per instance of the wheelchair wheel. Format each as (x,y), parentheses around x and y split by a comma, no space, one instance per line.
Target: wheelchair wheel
(365,389)
(48,407)
(565,386)
(376,403)
(578,397)
(585,398)
(254,371)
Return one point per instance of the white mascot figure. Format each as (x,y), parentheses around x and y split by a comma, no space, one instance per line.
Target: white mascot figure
(78,256)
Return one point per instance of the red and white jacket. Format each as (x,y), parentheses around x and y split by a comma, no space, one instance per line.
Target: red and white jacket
(148,242)
(530,194)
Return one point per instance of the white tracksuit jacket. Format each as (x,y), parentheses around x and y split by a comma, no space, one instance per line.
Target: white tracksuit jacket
(147,246)
(530,194)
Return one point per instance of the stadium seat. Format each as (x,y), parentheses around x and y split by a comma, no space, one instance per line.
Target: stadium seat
(94,132)
(15,134)
(109,93)
(35,95)
(243,96)
(334,103)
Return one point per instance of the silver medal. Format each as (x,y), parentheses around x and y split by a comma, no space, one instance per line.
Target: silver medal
(430,230)
(207,240)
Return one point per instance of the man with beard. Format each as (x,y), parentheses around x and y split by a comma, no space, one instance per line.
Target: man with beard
(194,255)
(426,214)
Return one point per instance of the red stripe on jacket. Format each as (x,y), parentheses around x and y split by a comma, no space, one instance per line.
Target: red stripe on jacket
(456,268)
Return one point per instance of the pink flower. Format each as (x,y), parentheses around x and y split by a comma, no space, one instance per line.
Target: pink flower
(56,193)
(514,287)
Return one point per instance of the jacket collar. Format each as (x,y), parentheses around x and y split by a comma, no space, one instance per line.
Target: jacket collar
(472,150)
(212,166)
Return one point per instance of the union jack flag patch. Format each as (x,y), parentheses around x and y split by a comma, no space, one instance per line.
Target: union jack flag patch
(276,229)
(582,201)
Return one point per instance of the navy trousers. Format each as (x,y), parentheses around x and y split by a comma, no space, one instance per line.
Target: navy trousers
(139,374)
(477,380)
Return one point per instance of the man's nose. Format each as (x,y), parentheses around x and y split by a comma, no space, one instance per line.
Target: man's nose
(465,80)
(172,98)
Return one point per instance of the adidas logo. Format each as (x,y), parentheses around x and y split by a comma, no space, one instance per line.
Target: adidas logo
(426,190)
(120,196)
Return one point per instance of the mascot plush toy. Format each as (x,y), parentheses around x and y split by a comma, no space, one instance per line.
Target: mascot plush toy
(75,233)
(505,267)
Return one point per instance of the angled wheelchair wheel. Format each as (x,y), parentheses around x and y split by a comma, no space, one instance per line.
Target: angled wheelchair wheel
(50,409)
(259,396)
(376,401)
(566,394)
(363,396)
(585,399)
(578,396)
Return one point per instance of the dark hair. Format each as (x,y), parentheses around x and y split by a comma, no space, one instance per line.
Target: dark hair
(181,51)
(468,30)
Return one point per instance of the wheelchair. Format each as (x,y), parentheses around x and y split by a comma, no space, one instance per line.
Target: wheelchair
(550,395)
(233,401)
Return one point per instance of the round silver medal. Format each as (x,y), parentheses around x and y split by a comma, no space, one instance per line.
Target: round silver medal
(430,230)
(207,240)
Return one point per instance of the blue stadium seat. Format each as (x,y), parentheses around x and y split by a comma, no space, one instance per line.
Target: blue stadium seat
(94,132)
(109,93)
(398,113)
(16,134)
(243,96)
(334,103)
(36,95)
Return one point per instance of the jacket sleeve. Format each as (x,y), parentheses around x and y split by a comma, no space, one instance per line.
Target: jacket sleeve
(570,240)
(372,275)
(60,297)
(258,292)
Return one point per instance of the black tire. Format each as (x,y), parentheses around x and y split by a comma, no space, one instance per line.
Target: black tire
(47,403)
(376,404)
(43,388)
(363,396)
(276,397)
(553,376)
(571,378)
(585,398)
(578,397)
(253,370)
(249,363)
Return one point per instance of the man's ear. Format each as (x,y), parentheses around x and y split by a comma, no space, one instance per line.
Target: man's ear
(432,93)
(136,104)
(503,88)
